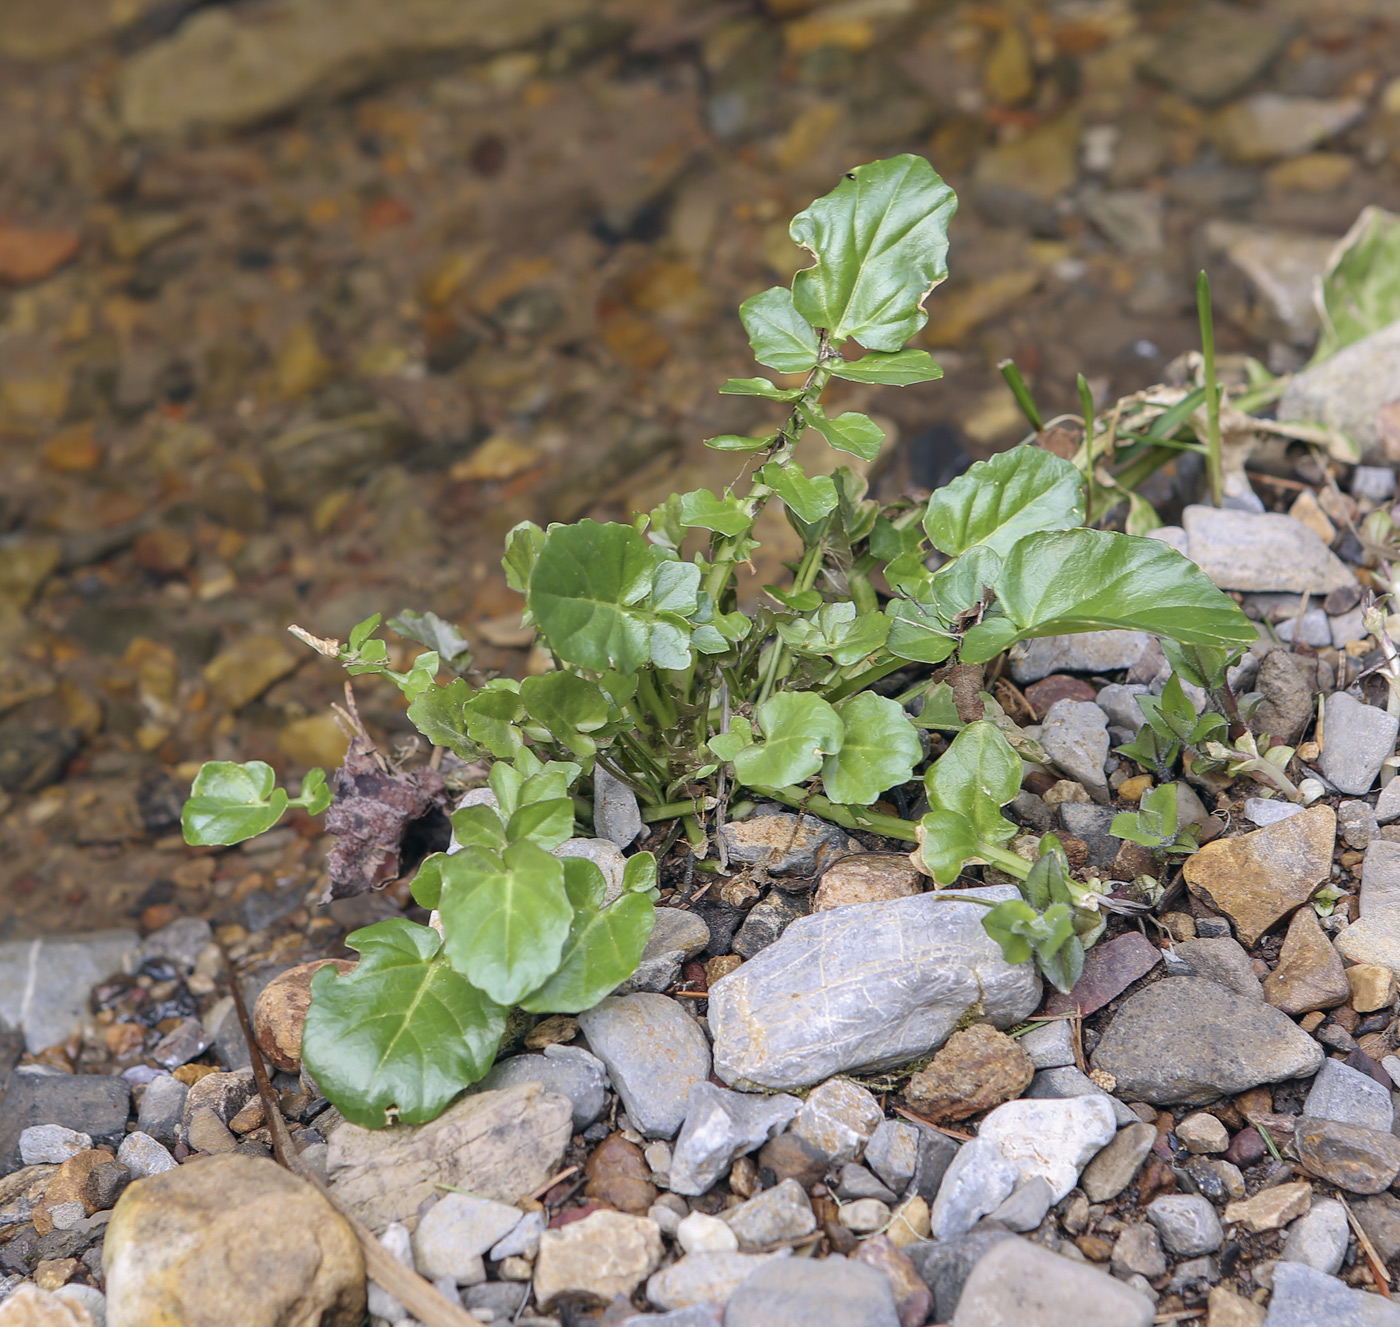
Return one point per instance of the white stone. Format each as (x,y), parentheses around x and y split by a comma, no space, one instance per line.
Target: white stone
(699,1233)
(51,1144)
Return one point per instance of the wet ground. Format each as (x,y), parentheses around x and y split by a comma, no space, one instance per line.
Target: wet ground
(298,314)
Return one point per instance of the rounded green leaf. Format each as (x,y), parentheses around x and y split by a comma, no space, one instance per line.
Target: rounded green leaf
(880,239)
(946,841)
(975,777)
(603,950)
(548,823)
(903,368)
(851,432)
(997,501)
(400,1035)
(229,802)
(725,515)
(781,338)
(800,730)
(440,714)
(809,499)
(879,750)
(570,707)
(506,917)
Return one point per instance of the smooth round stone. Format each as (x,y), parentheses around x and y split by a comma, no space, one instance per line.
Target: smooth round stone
(865,1215)
(700,1233)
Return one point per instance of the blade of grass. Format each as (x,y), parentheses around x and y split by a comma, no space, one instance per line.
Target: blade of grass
(1214,466)
(1022,393)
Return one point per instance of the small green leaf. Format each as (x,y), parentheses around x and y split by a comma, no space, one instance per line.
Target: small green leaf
(759,387)
(523,545)
(1202,665)
(988,639)
(479,826)
(961,585)
(440,714)
(436,633)
(725,516)
(997,501)
(400,1035)
(837,632)
(809,499)
(1008,924)
(584,883)
(362,631)
(879,750)
(547,823)
(1360,290)
(781,338)
(946,841)
(603,950)
(917,633)
(737,442)
(315,796)
(639,876)
(229,802)
(975,777)
(851,432)
(903,368)
(800,730)
(569,707)
(879,239)
(491,717)
(728,745)
(506,917)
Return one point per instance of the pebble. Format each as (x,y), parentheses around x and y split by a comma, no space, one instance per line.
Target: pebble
(1357,740)
(1224,961)
(945,1265)
(655,1053)
(719,1127)
(1214,51)
(1110,967)
(893,1152)
(27,1305)
(1058,1084)
(1372,987)
(705,1278)
(1019,1282)
(1074,734)
(496,1145)
(143,1156)
(1026,1206)
(838,1119)
(1357,824)
(1258,878)
(912,1298)
(1388,803)
(855,1181)
(182,942)
(976,1069)
(1201,1133)
(593,1261)
(867,877)
(864,1216)
(1379,1217)
(457,1231)
(44,984)
(163,1108)
(1271,552)
(1286,684)
(279,1012)
(619,1176)
(1082,652)
(1339,1092)
(1227,1309)
(676,936)
(1270,1208)
(603,853)
(523,1241)
(1186,1223)
(1268,125)
(1375,936)
(51,1143)
(766,921)
(1270,810)
(700,1233)
(1309,974)
(396,1242)
(1119,700)
(616,814)
(786,844)
(780,1213)
(1050,1044)
(179,1243)
(1319,1237)
(834,1291)
(570,1071)
(1188,1040)
(868,988)
(91,1104)
(1138,1251)
(1114,1168)
(1351,1156)
(1306,1297)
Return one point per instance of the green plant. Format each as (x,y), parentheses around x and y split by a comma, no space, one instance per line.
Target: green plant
(668,678)
(1154,824)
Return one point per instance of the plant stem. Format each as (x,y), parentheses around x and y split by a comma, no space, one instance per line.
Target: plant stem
(1214,463)
(862,680)
(849,817)
(672,810)
(1022,393)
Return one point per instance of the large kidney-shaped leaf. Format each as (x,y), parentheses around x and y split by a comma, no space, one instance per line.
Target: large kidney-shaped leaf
(586,580)
(974,778)
(800,731)
(1094,580)
(506,917)
(880,239)
(997,501)
(402,1032)
(879,750)
(781,338)
(604,947)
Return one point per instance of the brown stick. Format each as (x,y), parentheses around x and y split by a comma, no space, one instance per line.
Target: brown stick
(421,1298)
(1378,1272)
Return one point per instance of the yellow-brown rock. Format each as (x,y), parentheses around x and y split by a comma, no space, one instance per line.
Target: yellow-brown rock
(30,1306)
(280,1013)
(1309,974)
(69,1185)
(247,668)
(1259,878)
(978,1068)
(1372,987)
(867,877)
(233,1239)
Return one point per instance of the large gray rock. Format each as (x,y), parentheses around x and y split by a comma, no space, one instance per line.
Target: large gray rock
(616,814)
(786,844)
(797,1292)
(1305,1297)
(780,1213)
(457,1231)
(945,1265)
(1346,391)
(1357,739)
(1187,1040)
(44,983)
(222,70)
(569,1070)
(706,1278)
(1242,551)
(1340,1092)
(1018,1282)
(719,1127)
(655,1053)
(1319,1237)
(864,987)
(1082,652)
(93,1104)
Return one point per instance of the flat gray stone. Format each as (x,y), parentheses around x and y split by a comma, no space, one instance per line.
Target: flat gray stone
(1074,734)
(855,1182)
(1305,1297)
(677,936)
(1050,1044)
(945,1265)
(1081,652)
(1017,1282)
(1119,700)
(1025,1209)
(719,1127)
(867,986)
(181,942)
(1375,936)
(798,1292)
(1223,961)
(782,1212)
(1187,1040)
(1357,739)
(1340,1092)
(977,1182)
(1117,1165)
(44,984)
(786,844)
(1270,810)
(1347,390)
(893,1152)
(143,1156)
(1069,1081)
(1242,551)
(569,1070)
(705,1278)
(655,1053)
(1388,803)
(163,1109)
(51,1144)
(616,813)
(93,1104)
(1319,1237)
(1186,1223)
(838,1119)
(457,1231)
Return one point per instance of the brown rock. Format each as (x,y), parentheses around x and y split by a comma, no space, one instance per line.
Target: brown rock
(1372,987)
(30,255)
(498,1145)
(867,877)
(1260,877)
(1109,969)
(976,1069)
(1057,686)
(720,966)
(32,1306)
(206,1132)
(1351,1156)
(912,1298)
(1309,975)
(591,1262)
(1228,1309)
(790,1157)
(1272,1208)
(247,668)
(619,1177)
(280,1014)
(910,1222)
(69,1185)
(231,1240)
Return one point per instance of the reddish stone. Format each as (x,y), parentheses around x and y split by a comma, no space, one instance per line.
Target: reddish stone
(1246,1147)
(1058,686)
(1109,969)
(30,255)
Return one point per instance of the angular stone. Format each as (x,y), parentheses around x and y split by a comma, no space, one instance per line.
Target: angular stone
(593,1261)
(837,1119)
(786,844)
(570,1071)
(864,987)
(1242,551)
(1309,974)
(912,1298)
(51,1143)
(163,1108)
(1114,1168)
(1305,1297)
(655,1053)
(1082,652)
(1270,125)
(1223,961)
(178,1246)
(867,877)
(855,1181)
(1227,1309)
(44,984)
(1357,740)
(719,1127)
(458,1230)
(1060,1084)
(142,1156)
(91,1104)
(705,1278)
(1260,877)
(1188,1040)
(976,1069)
(1026,1206)
(1138,1250)
(1351,1156)
(1020,1282)
(1271,1208)
(699,1233)
(780,1213)
(1202,1133)
(1110,967)
(677,936)
(1379,1217)
(1372,987)
(1266,277)
(1319,1237)
(1375,936)
(1348,390)
(26,1305)
(1074,734)
(1269,811)
(945,1265)
(1186,1223)
(1340,1092)
(1214,50)
(893,1152)
(497,1145)
(799,1291)
(1050,1044)
(616,814)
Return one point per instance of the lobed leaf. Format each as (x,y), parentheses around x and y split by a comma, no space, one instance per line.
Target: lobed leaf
(229,802)
(780,337)
(799,729)
(879,750)
(603,950)
(850,432)
(809,499)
